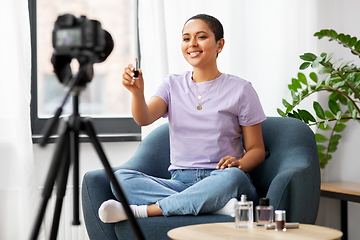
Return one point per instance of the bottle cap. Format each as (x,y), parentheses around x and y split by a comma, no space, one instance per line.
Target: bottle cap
(264,202)
(280,215)
(243,198)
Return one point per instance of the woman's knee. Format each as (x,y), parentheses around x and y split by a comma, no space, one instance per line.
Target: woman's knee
(233,174)
(125,174)
(234,178)
(124,177)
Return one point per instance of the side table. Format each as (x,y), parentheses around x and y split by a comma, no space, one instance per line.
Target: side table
(227,231)
(344,191)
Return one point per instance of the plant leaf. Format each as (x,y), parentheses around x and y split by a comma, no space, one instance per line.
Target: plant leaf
(357,46)
(280,112)
(296,83)
(333,34)
(316,63)
(320,148)
(332,147)
(313,77)
(292,87)
(323,159)
(352,41)
(297,115)
(346,38)
(327,80)
(319,110)
(329,115)
(306,116)
(302,78)
(338,116)
(350,106)
(286,103)
(308,57)
(341,37)
(339,127)
(336,137)
(324,125)
(339,84)
(328,58)
(333,106)
(304,65)
(293,95)
(318,84)
(320,138)
(354,114)
(325,70)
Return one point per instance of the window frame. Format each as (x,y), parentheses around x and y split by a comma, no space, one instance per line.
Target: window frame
(108,129)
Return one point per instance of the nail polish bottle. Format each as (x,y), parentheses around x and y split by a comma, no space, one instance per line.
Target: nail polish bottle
(280,220)
(244,213)
(264,212)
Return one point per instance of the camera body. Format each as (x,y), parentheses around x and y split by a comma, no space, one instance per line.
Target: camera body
(81,38)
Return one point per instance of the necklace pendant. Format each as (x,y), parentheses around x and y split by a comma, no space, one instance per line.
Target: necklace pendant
(199,107)
(199,97)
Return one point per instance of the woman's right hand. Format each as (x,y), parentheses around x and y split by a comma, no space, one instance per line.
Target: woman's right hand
(134,85)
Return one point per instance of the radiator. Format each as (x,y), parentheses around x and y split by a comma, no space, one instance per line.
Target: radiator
(67,231)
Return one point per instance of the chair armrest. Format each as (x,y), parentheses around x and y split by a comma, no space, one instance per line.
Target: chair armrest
(296,188)
(96,190)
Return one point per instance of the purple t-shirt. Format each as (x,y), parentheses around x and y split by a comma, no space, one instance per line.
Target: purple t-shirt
(200,138)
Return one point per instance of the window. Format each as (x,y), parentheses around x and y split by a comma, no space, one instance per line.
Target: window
(104,99)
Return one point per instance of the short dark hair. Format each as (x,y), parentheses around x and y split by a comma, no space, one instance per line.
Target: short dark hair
(213,23)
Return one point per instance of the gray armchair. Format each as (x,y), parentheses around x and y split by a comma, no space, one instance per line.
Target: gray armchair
(289,177)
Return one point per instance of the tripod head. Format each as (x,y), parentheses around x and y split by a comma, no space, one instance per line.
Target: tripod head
(84,40)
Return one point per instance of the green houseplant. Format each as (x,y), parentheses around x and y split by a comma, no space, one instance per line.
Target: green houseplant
(340,80)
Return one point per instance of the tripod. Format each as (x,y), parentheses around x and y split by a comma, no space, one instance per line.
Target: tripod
(67,154)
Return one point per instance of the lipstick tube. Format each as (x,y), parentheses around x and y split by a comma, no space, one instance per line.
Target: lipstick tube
(136,71)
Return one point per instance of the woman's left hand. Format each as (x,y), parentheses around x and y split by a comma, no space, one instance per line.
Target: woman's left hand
(227,162)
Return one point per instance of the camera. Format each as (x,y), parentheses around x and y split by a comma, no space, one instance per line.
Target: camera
(81,38)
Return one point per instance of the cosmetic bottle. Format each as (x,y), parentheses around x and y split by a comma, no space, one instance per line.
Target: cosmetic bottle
(244,213)
(264,212)
(280,220)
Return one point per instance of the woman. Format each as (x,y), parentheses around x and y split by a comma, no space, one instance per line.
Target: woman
(209,112)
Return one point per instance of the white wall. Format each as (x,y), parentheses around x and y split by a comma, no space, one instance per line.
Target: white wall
(117,153)
(342,16)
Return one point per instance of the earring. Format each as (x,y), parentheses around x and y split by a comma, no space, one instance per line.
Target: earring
(219,51)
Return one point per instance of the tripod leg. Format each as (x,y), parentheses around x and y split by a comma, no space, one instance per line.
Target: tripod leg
(61,189)
(92,135)
(50,179)
(74,140)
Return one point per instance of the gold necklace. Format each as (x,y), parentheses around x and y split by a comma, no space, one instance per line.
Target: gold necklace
(201,96)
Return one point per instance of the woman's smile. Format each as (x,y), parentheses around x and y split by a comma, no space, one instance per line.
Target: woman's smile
(194,54)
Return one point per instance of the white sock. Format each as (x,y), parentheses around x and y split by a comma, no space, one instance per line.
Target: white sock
(228,209)
(112,211)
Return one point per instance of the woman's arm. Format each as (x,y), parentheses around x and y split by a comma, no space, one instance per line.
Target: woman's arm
(255,150)
(143,113)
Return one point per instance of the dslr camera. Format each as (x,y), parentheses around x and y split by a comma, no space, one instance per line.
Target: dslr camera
(81,38)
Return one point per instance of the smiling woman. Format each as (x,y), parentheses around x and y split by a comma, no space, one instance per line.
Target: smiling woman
(201,154)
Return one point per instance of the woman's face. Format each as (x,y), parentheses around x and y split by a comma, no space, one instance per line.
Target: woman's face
(199,46)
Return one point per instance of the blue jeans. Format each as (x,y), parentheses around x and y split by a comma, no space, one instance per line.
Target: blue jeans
(190,191)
